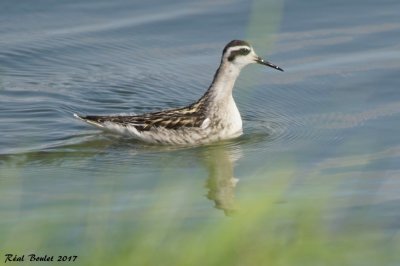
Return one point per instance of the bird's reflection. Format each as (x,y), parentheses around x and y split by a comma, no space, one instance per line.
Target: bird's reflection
(218,160)
(221,183)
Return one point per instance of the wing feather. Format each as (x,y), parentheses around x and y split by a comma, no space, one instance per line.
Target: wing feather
(170,119)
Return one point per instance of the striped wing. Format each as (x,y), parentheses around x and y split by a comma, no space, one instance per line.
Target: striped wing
(171,119)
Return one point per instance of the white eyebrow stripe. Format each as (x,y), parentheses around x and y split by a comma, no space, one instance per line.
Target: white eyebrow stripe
(236,48)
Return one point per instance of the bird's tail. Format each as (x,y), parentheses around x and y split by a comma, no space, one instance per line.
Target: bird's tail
(89,120)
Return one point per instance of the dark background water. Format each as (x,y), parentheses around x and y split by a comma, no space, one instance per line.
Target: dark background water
(330,122)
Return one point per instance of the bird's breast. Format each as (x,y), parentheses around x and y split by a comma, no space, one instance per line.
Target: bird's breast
(234,118)
(226,119)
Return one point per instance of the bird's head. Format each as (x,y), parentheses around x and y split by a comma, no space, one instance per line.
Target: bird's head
(240,54)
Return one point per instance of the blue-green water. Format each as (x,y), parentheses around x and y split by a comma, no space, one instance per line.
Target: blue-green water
(328,127)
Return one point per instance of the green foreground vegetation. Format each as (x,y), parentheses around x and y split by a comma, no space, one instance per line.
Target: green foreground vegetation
(266,229)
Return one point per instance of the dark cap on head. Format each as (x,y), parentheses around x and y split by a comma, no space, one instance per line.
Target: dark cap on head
(235,43)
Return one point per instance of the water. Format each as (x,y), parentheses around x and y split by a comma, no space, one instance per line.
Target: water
(327,128)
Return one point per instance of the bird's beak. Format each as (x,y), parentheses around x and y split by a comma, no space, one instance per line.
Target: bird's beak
(261,61)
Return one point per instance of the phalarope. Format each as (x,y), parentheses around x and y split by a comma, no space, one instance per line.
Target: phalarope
(213,117)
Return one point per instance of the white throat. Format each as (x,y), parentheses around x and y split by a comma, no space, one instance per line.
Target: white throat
(221,105)
(224,81)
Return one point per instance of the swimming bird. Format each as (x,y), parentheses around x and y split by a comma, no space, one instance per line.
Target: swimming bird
(213,117)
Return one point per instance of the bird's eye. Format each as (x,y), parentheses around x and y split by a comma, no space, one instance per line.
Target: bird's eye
(240,52)
(244,51)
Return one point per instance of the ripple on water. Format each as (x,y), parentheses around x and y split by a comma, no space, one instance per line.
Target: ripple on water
(272,111)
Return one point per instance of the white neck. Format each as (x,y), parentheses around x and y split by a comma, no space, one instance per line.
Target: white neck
(221,88)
